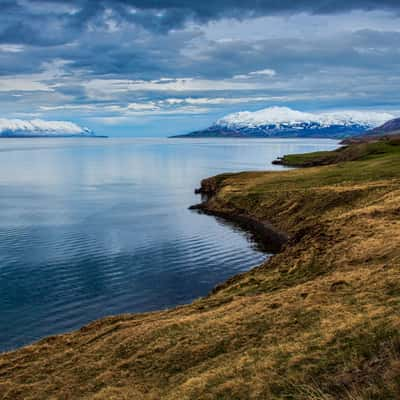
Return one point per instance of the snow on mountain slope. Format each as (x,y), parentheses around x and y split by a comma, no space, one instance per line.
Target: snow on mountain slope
(284,116)
(38,127)
(285,122)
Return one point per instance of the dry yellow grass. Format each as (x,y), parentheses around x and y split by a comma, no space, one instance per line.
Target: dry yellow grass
(319,320)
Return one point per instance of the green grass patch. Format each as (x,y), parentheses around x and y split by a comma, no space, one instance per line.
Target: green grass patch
(359,151)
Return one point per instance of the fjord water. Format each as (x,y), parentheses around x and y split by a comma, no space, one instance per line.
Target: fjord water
(95,227)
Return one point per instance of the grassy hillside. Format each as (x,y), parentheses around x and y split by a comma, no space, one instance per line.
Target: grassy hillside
(360,149)
(319,320)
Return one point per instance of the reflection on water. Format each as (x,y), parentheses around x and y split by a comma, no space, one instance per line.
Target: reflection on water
(95,227)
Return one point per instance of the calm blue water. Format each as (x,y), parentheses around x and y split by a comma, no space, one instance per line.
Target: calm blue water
(95,227)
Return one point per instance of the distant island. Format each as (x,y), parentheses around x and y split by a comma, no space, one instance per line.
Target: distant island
(37,128)
(283,122)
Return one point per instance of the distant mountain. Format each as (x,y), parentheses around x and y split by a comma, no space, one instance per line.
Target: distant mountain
(390,127)
(17,128)
(284,122)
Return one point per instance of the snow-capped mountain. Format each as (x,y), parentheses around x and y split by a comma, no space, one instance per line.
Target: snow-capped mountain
(41,128)
(285,122)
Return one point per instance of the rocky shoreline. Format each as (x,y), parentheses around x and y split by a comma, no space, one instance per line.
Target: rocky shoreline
(271,238)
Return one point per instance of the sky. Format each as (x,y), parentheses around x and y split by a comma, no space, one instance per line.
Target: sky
(156,68)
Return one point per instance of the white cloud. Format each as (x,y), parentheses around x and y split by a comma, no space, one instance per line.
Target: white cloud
(299,25)
(150,106)
(39,82)
(187,109)
(23,84)
(261,73)
(40,127)
(11,48)
(77,107)
(172,105)
(105,88)
(266,72)
(126,116)
(214,100)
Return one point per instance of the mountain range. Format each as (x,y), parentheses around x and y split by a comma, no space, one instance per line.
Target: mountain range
(284,122)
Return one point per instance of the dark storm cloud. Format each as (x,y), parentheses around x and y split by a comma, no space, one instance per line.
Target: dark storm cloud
(54,22)
(205,10)
(78,30)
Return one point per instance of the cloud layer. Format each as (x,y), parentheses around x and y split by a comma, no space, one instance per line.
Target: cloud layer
(138,63)
(64,20)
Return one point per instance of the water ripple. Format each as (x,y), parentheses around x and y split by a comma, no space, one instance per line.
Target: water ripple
(89,228)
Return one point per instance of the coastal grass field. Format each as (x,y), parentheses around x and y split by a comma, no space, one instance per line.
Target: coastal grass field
(319,320)
(364,150)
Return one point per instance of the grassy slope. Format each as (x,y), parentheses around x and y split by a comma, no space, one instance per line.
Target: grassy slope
(320,320)
(363,149)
